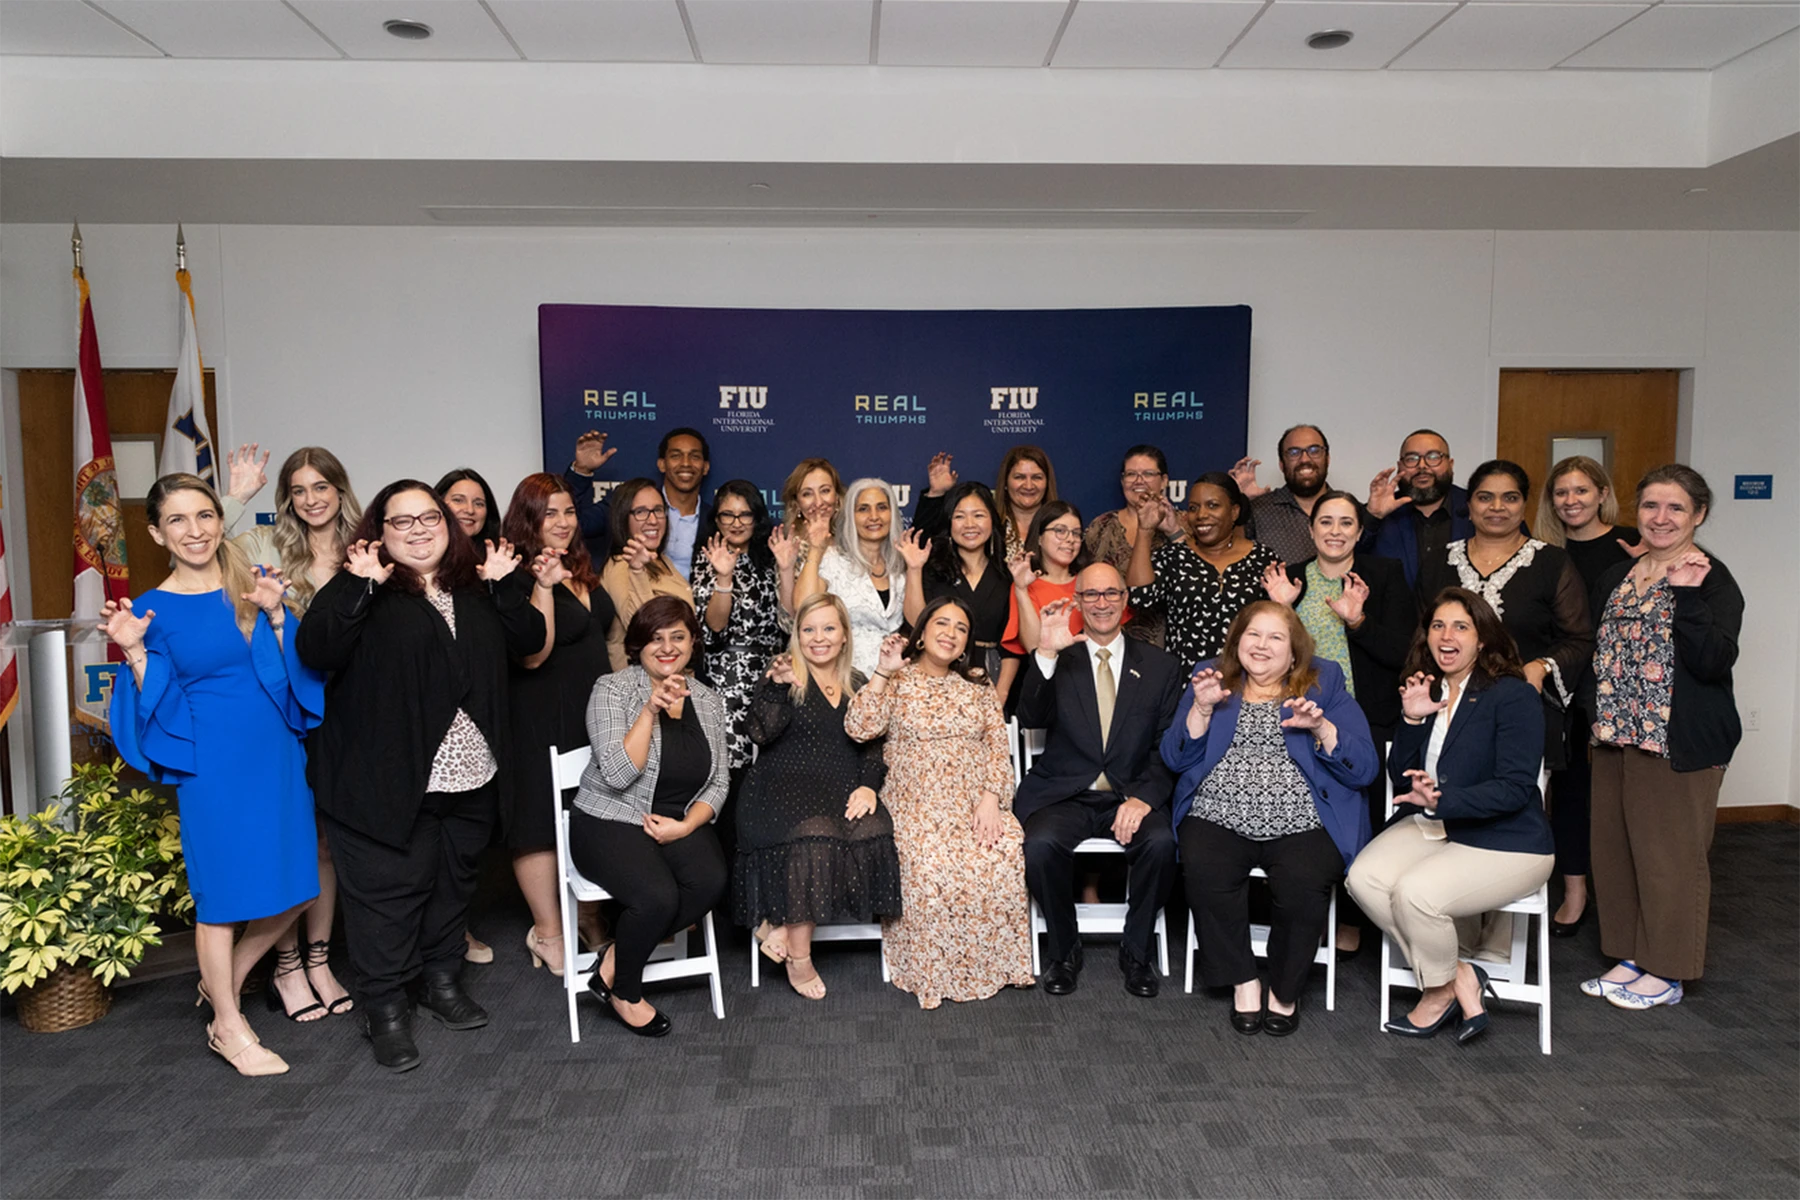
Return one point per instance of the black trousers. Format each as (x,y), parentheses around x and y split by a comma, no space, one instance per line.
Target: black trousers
(660,889)
(1571,801)
(1302,868)
(1051,835)
(406,907)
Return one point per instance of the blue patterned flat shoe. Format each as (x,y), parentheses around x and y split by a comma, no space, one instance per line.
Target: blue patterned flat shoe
(1626,999)
(1598,988)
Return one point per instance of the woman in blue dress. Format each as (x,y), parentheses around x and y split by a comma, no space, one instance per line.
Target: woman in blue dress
(216,703)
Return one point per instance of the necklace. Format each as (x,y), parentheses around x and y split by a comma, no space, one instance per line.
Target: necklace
(1479,555)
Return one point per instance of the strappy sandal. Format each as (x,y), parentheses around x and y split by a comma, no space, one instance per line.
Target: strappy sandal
(812,989)
(318,954)
(288,962)
(776,953)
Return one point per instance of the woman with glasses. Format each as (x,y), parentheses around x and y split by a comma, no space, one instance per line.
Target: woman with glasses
(638,569)
(1112,535)
(863,568)
(1054,555)
(413,760)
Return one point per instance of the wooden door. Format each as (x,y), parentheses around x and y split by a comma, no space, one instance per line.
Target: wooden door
(1631,413)
(137,403)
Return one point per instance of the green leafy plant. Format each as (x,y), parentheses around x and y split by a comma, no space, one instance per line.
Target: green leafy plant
(90,894)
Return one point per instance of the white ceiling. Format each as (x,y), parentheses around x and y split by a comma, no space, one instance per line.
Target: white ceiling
(1245,34)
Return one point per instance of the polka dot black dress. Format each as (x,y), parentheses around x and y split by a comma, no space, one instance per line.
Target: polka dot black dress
(799,858)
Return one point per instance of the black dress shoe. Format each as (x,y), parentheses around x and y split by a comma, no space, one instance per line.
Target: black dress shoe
(441,995)
(1061,978)
(1280,1024)
(388,1027)
(1247,1022)
(1560,930)
(1140,978)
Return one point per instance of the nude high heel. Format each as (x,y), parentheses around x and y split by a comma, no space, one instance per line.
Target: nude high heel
(541,955)
(273,1065)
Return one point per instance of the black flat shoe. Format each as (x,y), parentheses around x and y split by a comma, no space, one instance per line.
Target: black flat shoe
(657,1026)
(1280,1024)
(1405,1028)
(1061,978)
(389,1030)
(1141,980)
(1560,930)
(1247,1022)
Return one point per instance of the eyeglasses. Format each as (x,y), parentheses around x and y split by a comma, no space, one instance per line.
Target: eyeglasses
(1431,458)
(1296,453)
(644,514)
(1095,595)
(734,518)
(430,520)
(1066,534)
(1140,476)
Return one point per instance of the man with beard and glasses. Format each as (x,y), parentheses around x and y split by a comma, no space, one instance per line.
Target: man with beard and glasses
(1282,519)
(1417,510)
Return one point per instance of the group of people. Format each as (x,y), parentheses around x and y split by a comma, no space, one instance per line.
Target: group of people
(810,717)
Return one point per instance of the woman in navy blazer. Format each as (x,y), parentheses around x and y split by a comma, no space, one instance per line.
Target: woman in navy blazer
(1469,832)
(1272,753)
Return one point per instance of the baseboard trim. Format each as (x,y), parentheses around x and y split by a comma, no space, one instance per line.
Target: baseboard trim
(1746,814)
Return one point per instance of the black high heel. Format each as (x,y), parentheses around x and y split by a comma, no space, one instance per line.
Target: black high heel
(318,954)
(1476,1025)
(287,962)
(1405,1028)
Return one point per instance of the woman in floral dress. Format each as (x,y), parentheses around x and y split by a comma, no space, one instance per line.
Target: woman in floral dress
(966,932)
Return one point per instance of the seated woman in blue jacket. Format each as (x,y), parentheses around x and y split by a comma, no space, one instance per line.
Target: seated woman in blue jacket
(1272,753)
(1469,832)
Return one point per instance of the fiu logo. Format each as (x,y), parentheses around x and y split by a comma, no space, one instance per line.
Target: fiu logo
(880,408)
(1168,406)
(743,397)
(1013,411)
(100,680)
(1011,399)
(616,404)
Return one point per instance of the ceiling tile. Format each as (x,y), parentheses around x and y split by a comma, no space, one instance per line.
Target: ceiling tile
(595,30)
(798,32)
(460,29)
(1151,33)
(1514,37)
(1672,36)
(968,33)
(206,29)
(59,27)
(1278,39)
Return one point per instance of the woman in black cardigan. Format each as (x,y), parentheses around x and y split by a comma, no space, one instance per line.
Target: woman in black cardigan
(1665,727)
(412,756)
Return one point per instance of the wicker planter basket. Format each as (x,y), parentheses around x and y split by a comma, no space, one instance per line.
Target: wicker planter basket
(68,999)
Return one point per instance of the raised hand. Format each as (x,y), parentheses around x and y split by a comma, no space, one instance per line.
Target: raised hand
(125,628)
(915,549)
(637,554)
(668,694)
(939,478)
(363,559)
(862,803)
(1281,588)
(591,452)
(267,590)
(1164,515)
(1053,628)
(721,557)
(893,653)
(1019,567)
(1690,570)
(548,569)
(818,527)
(1209,689)
(1348,605)
(1244,472)
(1382,500)
(1305,714)
(499,563)
(785,547)
(247,472)
(1415,698)
(781,670)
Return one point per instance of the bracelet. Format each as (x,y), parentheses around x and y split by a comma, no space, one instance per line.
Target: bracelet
(883,675)
(140,659)
(721,591)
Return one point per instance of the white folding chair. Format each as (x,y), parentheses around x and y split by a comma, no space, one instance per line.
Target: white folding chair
(1012,750)
(1100,918)
(1510,978)
(1259,945)
(578,967)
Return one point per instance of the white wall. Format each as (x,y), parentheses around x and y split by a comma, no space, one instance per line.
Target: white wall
(408,350)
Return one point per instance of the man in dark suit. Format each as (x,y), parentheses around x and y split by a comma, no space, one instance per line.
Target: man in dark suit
(1105,700)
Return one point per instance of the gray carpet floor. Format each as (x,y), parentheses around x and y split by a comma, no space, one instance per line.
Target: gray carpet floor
(1094,1094)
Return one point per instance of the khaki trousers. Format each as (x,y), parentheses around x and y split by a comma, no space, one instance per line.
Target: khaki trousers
(1653,828)
(1415,887)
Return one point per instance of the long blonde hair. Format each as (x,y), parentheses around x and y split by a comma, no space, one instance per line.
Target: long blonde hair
(1549,524)
(236,575)
(292,544)
(841,668)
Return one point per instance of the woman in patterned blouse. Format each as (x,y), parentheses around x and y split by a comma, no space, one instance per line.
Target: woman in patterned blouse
(1273,754)
(1665,726)
(1112,535)
(1205,573)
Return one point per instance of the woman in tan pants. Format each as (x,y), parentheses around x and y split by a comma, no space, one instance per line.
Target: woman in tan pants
(1469,832)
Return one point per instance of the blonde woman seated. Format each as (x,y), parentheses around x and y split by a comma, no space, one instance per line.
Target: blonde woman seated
(966,932)
(815,846)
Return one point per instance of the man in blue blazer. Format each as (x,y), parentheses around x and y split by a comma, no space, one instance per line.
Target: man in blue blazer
(1104,700)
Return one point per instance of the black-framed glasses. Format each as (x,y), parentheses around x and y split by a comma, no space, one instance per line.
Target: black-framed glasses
(644,514)
(1096,595)
(1431,458)
(1296,453)
(404,522)
(735,518)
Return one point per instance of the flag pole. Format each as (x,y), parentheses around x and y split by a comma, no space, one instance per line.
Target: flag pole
(75,245)
(180,248)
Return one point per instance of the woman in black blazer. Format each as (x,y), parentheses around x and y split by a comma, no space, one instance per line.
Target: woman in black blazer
(1469,831)
(413,754)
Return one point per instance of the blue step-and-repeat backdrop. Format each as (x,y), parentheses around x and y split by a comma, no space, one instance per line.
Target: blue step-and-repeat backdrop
(878,392)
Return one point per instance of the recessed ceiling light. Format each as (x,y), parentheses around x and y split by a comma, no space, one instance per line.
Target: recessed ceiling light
(759,186)
(411,31)
(1329,39)
(1697,191)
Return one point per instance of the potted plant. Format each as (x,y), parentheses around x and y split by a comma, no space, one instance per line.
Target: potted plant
(78,906)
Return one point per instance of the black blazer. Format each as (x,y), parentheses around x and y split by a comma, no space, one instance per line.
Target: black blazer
(1487,772)
(1378,648)
(398,677)
(1149,686)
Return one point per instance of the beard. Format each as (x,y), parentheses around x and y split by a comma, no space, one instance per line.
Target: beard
(1432,492)
(1306,491)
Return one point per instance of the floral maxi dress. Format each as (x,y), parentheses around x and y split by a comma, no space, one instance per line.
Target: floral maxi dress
(966,932)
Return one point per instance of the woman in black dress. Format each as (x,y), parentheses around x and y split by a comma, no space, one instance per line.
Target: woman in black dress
(1577,511)
(814,843)
(549,690)
(968,563)
(472,503)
